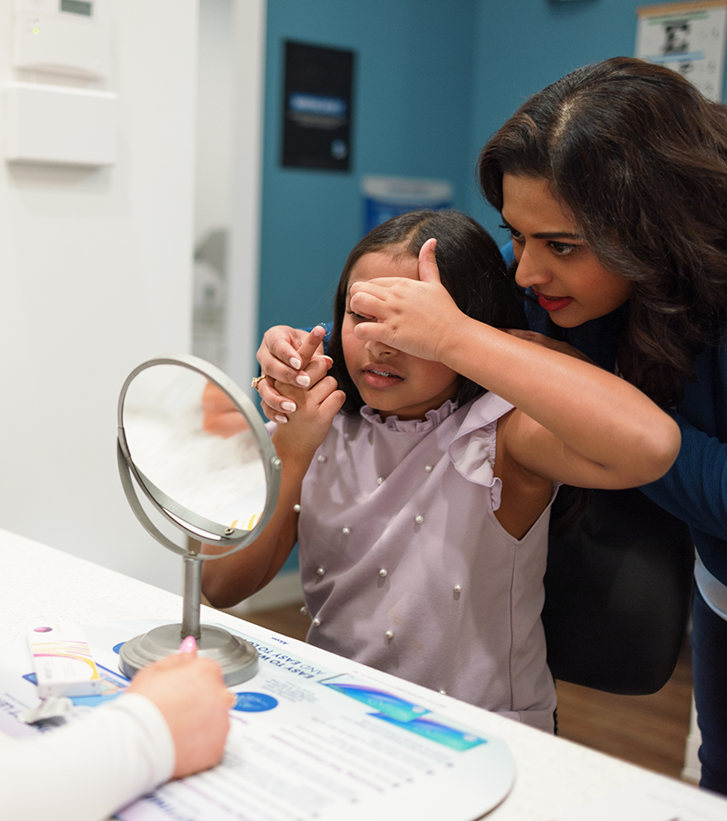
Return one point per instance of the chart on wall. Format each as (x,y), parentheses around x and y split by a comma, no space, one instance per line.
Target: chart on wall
(688,38)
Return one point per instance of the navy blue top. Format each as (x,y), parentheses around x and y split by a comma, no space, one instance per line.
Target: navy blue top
(695,488)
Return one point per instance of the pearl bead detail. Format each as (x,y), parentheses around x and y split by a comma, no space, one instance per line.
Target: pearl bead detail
(304,610)
(383,573)
(443,692)
(320,572)
(379,480)
(458,588)
(316,621)
(322,458)
(345,530)
(428,468)
(296,508)
(388,635)
(419,519)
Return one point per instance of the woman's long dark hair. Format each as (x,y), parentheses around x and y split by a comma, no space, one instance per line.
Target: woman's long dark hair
(471,269)
(639,158)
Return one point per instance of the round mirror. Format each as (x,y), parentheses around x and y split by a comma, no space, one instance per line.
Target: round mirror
(197,448)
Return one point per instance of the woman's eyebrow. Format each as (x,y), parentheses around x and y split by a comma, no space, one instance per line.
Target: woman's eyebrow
(557,235)
(546,234)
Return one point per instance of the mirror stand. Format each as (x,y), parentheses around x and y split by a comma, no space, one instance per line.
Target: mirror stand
(237,657)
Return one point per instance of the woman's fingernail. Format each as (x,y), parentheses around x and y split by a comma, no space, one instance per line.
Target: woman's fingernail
(295,363)
(303,380)
(328,359)
(281,419)
(189,645)
(289,406)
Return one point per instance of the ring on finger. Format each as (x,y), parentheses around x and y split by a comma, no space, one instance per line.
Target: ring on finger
(257,380)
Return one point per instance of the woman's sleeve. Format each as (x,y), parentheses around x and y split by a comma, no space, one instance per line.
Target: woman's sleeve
(695,488)
(91,768)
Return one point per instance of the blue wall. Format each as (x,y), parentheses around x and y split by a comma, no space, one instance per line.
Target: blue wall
(523,45)
(413,84)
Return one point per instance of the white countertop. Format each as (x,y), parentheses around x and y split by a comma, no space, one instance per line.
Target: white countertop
(554,777)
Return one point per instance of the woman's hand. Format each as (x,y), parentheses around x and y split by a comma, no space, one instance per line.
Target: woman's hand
(191,695)
(418,317)
(284,356)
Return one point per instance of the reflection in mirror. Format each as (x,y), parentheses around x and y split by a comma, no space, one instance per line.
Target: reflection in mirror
(188,439)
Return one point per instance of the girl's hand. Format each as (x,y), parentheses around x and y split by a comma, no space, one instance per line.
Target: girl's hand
(284,356)
(418,317)
(316,406)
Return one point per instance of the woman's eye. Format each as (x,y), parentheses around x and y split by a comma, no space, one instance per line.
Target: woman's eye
(563,249)
(516,235)
(356,317)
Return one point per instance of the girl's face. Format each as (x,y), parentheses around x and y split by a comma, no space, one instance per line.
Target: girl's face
(390,381)
(553,259)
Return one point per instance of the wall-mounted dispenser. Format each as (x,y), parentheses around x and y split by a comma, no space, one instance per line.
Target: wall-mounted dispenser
(71,37)
(61,124)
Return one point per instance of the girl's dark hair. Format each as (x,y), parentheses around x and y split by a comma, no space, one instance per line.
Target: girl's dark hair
(471,269)
(639,158)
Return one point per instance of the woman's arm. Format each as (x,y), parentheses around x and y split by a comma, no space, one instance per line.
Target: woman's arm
(227,581)
(575,422)
(695,488)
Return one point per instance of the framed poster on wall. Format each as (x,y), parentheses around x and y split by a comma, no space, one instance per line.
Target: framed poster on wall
(688,38)
(317,107)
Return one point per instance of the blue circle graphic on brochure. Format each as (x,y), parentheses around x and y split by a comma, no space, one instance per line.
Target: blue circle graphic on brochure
(254,702)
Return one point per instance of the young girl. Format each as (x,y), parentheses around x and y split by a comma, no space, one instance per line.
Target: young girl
(422,508)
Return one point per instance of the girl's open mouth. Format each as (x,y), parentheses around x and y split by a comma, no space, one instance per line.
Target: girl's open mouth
(381,378)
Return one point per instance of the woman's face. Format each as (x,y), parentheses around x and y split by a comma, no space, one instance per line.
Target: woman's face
(392,382)
(553,259)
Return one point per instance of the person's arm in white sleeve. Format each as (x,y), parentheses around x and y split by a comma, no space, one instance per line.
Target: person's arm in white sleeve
(173,721)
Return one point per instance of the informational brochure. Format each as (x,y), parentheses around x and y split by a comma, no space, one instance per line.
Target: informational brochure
(308,741)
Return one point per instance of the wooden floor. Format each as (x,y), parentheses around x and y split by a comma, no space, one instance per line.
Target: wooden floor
(650,731)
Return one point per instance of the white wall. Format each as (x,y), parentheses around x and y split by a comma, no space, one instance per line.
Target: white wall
(215,153)
(95,277)
(231,80)
(249,23)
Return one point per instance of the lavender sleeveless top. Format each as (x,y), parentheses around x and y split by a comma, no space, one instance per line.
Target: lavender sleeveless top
(405,567)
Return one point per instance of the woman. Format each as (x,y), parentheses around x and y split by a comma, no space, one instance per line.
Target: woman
(613,183)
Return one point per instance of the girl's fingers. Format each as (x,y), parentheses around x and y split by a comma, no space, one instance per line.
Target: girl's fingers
(310,345)
(333,403)
(317,369)
(323,389)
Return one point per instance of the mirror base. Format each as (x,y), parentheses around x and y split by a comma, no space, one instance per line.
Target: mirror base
(237,657)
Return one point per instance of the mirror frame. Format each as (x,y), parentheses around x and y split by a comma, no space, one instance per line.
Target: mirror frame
(201,529)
